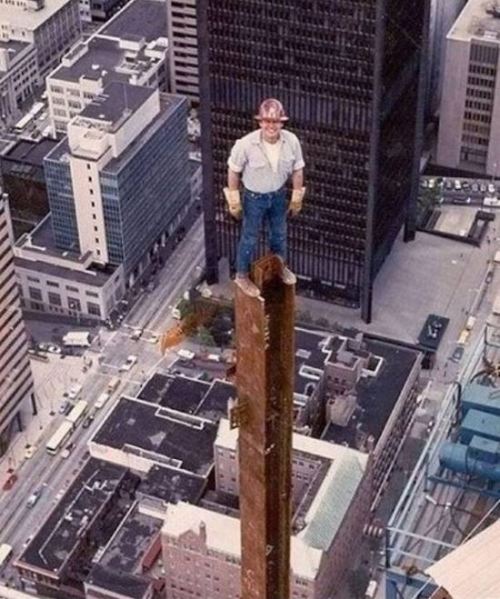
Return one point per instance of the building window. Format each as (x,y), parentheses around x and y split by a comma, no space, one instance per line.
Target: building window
(93,309)
(74,304)
(35,293)
(73,289)
(33,279)
(55,299)
(97,239)
(52,284)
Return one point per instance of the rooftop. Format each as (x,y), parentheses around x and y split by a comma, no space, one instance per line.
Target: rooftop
(13,48)
(171,485)
(178,393)
(377,395)
(321,521)
(214,404)
(30,152)
(41,242)
(164,436)
(120,566)
(140,19)
(117,100)
(82,503)
(310,357)
(480,19)
(30,19)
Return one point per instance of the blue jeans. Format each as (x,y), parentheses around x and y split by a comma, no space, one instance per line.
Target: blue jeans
(257,207)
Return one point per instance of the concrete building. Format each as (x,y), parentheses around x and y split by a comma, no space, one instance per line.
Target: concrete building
(119,184)
(123,568)
(442,17)
(16,381)
(201,546)
(183,48)
(19,76)
(64,283)
(470,104)
(130,48)
(52,564)
(52,26)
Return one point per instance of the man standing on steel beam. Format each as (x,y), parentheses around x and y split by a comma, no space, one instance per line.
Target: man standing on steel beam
(264,160)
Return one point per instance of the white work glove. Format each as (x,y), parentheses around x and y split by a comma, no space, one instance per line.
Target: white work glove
(295,205)
(233,202)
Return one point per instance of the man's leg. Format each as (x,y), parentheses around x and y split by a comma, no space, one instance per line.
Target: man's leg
(253,212)
(276,218)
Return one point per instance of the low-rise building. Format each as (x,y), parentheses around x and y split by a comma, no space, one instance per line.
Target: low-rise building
(130,48)
(52,26)
(62,282)
(61,551)
(330,502)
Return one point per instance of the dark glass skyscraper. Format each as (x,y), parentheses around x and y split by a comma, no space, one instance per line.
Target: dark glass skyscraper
(350,74)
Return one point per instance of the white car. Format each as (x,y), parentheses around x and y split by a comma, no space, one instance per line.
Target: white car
(127,365)
(431,183)
(30,452)
(491,188)
(457,185)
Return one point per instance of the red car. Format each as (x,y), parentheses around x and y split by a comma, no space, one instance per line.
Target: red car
(10,482)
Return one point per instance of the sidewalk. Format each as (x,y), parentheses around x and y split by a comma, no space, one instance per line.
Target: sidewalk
(52,379)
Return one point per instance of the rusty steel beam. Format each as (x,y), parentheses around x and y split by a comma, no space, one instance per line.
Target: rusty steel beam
(264,380)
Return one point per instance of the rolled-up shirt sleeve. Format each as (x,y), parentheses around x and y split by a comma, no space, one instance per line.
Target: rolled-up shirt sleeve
(237,158)
(299,158)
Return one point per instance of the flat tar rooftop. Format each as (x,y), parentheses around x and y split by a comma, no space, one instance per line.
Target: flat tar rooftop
(158,435)
(376,396)
(478,19)
(74,514)
(30,152)
(116,101)
(119,568)
(142,19)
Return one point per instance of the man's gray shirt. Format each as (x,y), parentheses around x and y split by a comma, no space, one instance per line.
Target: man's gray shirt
(249,158)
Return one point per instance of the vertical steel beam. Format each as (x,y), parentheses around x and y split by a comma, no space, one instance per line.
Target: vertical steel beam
(264,380)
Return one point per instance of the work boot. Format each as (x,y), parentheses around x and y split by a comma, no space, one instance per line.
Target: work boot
(287,275)
(245,284)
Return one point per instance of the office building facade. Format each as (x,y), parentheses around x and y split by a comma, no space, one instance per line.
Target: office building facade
(16,381)
(119,185)
(469,127)
(352,81)
(183,48)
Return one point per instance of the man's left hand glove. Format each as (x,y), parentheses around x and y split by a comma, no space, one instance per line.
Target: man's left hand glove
(295,205)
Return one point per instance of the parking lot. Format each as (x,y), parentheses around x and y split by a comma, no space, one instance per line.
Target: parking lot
(462,191)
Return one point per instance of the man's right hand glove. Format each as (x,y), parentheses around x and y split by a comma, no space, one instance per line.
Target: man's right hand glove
(234,202)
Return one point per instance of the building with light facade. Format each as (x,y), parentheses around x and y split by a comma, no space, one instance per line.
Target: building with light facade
(183,48)
(119,187)
(130,48)
(330,503)
(19,77)
(469,127)
(52,26)
(16,381)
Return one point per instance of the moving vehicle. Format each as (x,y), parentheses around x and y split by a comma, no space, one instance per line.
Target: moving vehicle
(113,384)
(30,452)
(136,334)
(75,390)
(76,339)
(62,434)
(102,399)
(5,553)
(129,362)
(65,453)
(88,421)
(77,413)
(33,498)
(65,407)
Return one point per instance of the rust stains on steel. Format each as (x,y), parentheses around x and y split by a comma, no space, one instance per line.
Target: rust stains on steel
(264,380)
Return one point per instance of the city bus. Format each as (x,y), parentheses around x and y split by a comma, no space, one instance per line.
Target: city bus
(77,413)
(23,123)
(5,553)
(60,437)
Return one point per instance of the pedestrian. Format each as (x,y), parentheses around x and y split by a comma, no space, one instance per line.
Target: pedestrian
(263,161)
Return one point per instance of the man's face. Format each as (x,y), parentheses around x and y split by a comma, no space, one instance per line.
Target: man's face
(271,129)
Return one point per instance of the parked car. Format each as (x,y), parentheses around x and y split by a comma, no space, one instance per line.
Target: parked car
(136,334)
(65,407)
(457,185)
(30,452)
(482,187)
(10,482)
(475,187)
(491,188)
(88,421)
(458,353)
(465,185)
(65,453)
